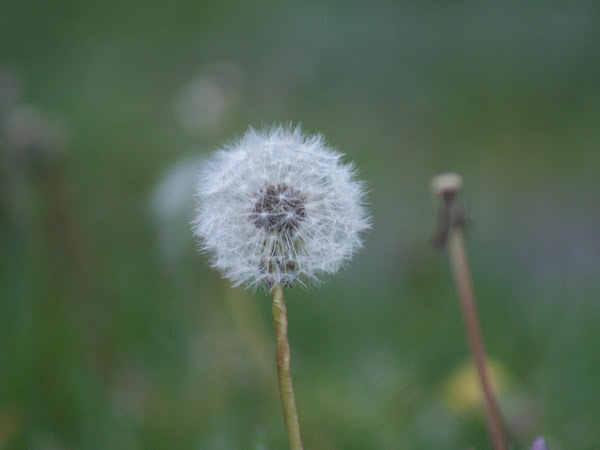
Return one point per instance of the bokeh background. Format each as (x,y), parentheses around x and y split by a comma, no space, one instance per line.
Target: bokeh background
(114,333)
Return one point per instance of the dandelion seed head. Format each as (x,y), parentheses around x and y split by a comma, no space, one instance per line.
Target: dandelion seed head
(279,206)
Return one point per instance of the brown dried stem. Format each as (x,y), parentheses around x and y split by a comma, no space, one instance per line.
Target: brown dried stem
(450,234)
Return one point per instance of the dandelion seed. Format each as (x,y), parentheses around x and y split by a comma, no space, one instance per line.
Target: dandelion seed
(279,206)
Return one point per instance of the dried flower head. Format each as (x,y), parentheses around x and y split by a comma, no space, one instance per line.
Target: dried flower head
(279,206)
(445,183)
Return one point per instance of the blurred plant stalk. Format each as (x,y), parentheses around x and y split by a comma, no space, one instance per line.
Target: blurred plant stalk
(282,355)
(450,235)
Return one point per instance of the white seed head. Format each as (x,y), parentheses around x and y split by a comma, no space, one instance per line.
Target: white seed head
(171,205)
(279,206)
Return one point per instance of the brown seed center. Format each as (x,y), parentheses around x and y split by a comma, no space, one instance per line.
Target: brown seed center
(279,208)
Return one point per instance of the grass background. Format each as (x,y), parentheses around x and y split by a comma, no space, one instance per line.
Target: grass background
(115,334)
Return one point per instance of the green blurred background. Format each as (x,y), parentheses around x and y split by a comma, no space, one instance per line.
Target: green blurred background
(114,333)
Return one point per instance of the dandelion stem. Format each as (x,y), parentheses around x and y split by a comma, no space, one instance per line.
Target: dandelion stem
(282,354)
(462,279)
(450,233)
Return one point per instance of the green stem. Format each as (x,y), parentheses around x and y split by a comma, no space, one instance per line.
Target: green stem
(282,354)
(464,287)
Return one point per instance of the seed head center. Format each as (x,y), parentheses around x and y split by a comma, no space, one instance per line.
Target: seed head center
(279,208)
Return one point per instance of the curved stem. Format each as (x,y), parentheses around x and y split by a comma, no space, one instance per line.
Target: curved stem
(282,354)
(464,287)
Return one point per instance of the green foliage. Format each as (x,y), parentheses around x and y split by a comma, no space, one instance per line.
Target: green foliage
(105,342)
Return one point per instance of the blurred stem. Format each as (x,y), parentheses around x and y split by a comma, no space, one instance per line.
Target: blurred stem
(66,235)
(282,354)
(464,287)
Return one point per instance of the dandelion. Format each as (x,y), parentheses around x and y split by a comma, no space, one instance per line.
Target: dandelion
(276,208)
(279,207)
(170,206)
(449,234)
